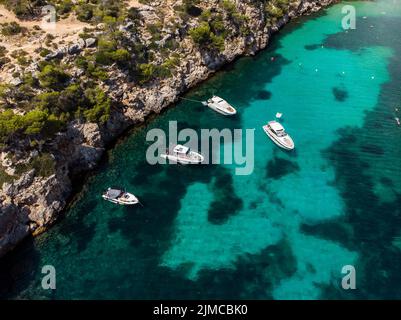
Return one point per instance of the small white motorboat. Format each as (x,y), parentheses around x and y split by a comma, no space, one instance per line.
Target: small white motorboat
(397,120)
(182,154)
(119,196)
(276,132)
(220,105)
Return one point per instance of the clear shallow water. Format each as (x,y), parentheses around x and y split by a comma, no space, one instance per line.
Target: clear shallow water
(283,232)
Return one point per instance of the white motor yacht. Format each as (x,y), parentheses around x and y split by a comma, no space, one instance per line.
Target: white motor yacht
(220,105)
(119,196)
(276,132)
(183,155)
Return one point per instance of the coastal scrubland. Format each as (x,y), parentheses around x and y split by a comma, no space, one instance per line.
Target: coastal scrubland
(39,101)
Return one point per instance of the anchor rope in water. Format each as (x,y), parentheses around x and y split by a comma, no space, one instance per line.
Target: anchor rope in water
(191,100)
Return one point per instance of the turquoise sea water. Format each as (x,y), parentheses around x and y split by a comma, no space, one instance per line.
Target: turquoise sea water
(283,232)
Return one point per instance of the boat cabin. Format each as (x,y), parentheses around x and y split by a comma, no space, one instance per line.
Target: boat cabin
(114,193)
(277,128)
(181,149)
(222,104)
(217,99)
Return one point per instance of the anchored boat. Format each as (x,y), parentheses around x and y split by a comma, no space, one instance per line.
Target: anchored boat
(276,132)
(183,155)
(220,105)
(119,196)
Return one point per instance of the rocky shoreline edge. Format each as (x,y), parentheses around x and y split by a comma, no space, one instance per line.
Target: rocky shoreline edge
(31,204)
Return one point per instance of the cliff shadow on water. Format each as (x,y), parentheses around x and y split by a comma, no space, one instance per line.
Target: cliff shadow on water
(18,269)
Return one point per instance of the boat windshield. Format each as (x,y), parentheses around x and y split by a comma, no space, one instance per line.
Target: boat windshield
(181,149)
(114,193)
(281,133)
(182,153)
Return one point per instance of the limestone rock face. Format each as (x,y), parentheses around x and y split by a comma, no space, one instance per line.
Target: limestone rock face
(13,227)
(90,42)
(74,49)
(32,202)
(80,147)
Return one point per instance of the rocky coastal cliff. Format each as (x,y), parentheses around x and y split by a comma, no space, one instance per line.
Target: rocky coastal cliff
(32,202)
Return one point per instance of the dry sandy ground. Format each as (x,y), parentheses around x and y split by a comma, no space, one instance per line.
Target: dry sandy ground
(133,3)
(64,31)
(61,28)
